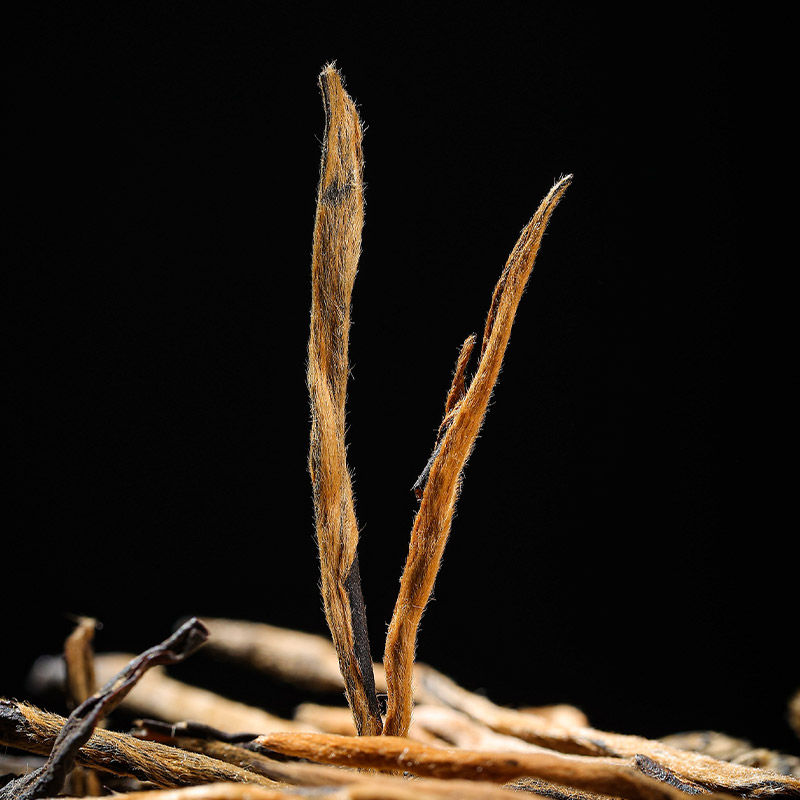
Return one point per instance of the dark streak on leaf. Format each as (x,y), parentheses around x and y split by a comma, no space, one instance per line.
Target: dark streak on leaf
(358,614)
(155,730)
(661,773)
(335,194)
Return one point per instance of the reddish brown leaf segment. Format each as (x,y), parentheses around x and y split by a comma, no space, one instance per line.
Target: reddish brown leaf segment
(464,413)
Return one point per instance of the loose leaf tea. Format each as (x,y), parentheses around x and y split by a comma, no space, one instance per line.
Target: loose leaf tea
(436,739)
(76,731)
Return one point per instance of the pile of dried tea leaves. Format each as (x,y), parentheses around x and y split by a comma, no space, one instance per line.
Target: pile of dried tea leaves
(189,742)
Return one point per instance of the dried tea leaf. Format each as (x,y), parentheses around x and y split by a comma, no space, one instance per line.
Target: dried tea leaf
(440,482)
(171,700)
(693,768)
(28,728)
(79,661)
(612,776)
(737,751)
(77,729)
(81,684)
(355,788)
(336,249)
(306,660)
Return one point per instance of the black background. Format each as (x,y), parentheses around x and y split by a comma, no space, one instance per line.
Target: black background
(618,543)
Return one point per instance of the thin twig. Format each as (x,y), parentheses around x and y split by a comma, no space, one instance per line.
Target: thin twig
(464,413)
(337,246)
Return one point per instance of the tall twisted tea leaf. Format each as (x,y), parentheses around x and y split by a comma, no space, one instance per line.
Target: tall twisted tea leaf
(439,484)
(337,245)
